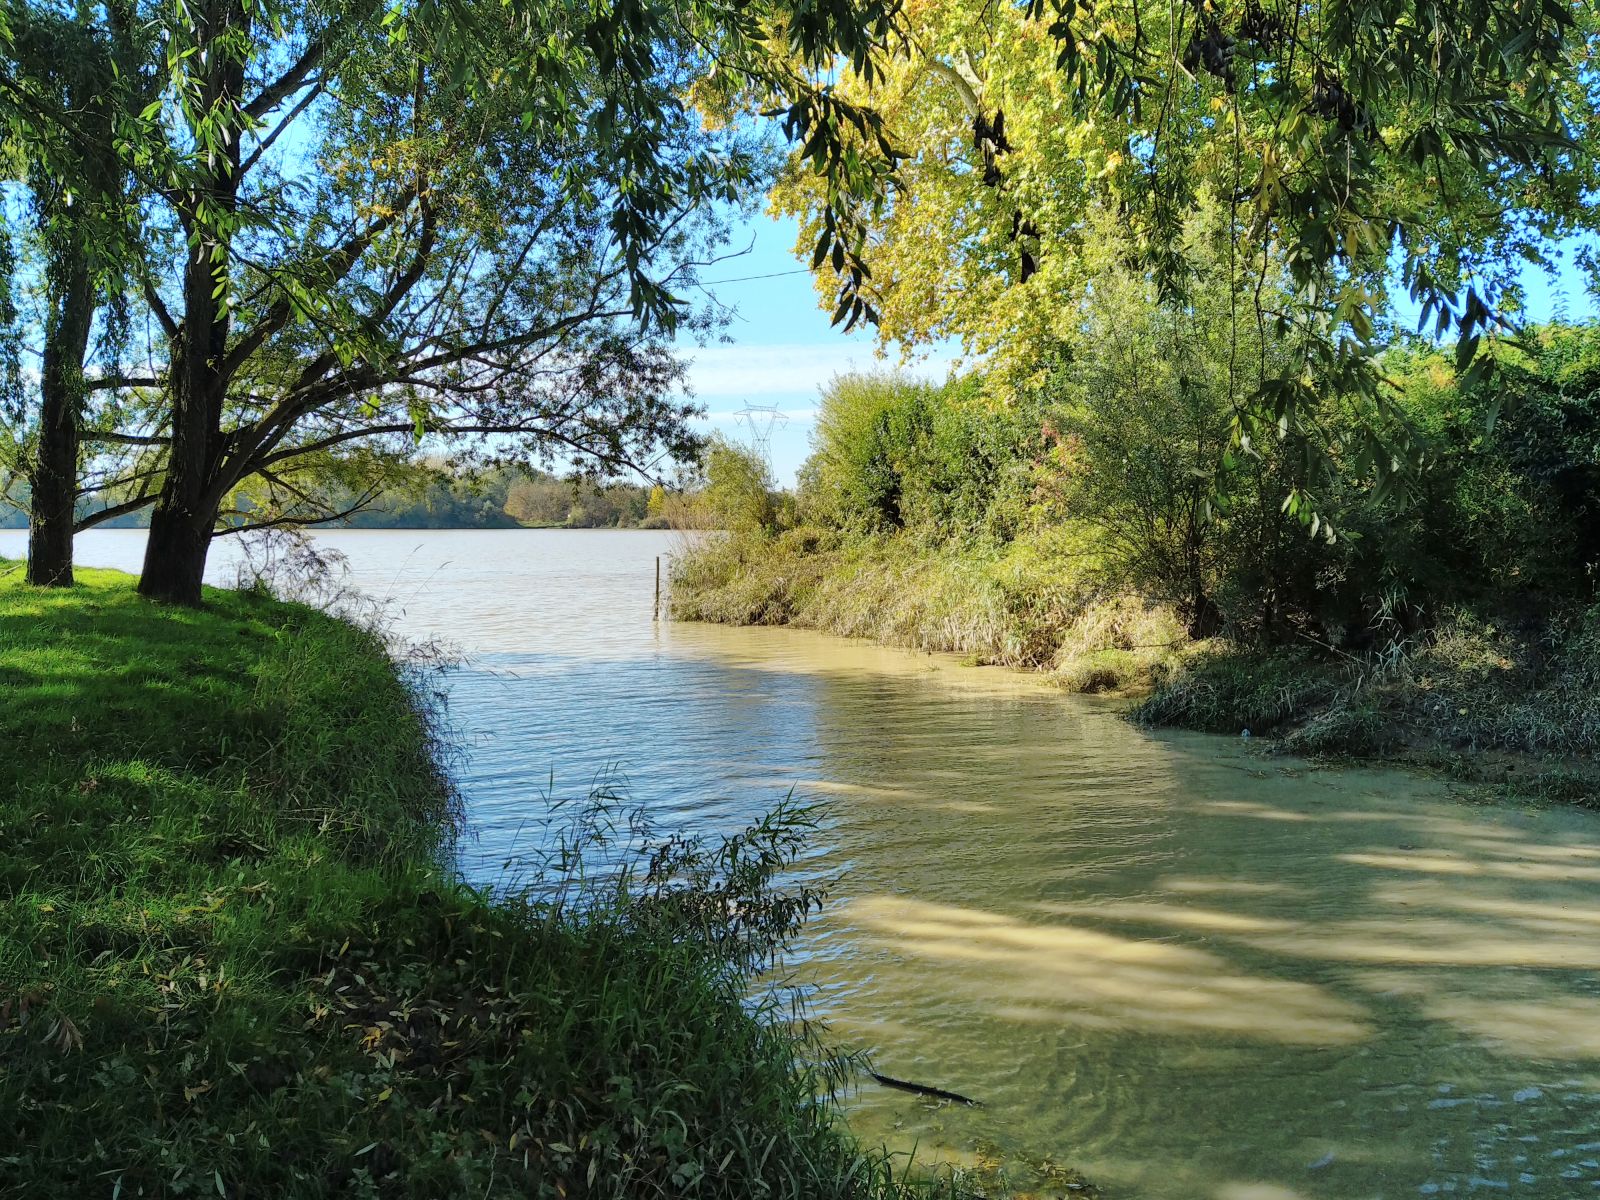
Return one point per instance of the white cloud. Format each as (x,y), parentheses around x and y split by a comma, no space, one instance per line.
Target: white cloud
(763,373)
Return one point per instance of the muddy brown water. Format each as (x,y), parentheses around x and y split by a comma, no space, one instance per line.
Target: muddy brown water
(1187,970)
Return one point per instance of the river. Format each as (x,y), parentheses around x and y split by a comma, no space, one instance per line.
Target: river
(1188,970)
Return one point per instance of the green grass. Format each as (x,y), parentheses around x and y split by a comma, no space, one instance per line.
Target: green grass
(231,962)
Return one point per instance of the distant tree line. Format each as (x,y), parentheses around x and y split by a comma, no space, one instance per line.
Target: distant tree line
(433,497)
(506,498)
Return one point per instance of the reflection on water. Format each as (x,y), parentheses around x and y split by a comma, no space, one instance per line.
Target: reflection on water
(1187,970)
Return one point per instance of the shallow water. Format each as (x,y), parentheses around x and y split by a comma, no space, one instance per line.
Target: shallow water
(1189,971)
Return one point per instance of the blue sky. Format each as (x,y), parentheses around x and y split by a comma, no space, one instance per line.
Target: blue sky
(782,348)
(1565,297)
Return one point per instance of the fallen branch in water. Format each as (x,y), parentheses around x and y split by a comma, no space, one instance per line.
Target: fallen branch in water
(923,1090)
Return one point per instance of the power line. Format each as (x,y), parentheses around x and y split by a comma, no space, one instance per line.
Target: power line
(750,278)
(761,419)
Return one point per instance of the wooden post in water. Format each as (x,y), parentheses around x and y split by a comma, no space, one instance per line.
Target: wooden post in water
(656,612)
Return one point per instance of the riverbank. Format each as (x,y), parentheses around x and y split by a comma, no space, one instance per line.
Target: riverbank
(1513,704)
(1023,604)
(233,961)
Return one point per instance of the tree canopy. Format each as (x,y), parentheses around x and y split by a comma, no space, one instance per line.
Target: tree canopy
(378,225)
(1355,145)
(358,225)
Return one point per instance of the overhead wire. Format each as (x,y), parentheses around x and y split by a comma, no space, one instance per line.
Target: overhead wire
(750,278)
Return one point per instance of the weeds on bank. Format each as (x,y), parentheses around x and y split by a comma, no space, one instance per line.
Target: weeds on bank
(1023,605)
(1471,687)
(232,962)
(1486,702)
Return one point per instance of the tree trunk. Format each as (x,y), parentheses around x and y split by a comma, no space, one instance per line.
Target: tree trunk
(54,470)
(175,556)
(186,513)
(1205,618)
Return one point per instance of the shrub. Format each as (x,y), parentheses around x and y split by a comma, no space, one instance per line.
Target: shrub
(947,462)
(1229,689)
(739,489)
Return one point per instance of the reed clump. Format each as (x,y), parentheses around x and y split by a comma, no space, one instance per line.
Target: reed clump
(1514,702)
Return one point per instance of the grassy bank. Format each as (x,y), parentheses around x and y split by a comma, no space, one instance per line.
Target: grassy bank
(1022,604)
(231,963)
(1513,702)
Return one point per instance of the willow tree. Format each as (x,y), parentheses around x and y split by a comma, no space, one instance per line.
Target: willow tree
(449,218)
(1357,143)
(372,250)
(65,95)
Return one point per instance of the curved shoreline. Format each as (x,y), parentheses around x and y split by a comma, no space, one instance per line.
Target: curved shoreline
(1477,701)
(234,959)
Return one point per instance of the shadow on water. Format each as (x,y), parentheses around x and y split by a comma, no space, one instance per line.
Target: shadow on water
(1189,970)
(1193,972)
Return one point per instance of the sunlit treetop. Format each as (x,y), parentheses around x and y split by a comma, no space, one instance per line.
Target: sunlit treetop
(1360,144)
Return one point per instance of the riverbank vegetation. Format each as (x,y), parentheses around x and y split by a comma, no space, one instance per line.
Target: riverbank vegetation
(1259,414)
(234,962)
(1111,526)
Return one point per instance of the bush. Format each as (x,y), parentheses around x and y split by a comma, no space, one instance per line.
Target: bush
(1116,645)
(1497,517)
(894,453)
(739,489)
(1229,689)
(1468,687)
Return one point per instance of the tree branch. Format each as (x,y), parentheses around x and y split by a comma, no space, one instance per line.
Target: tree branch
(292,80)
(365,501)
(338,263)
(109,382)
(124,439)
(965,88)
(153,299)
(110,514)
(444,430)
(266,143)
